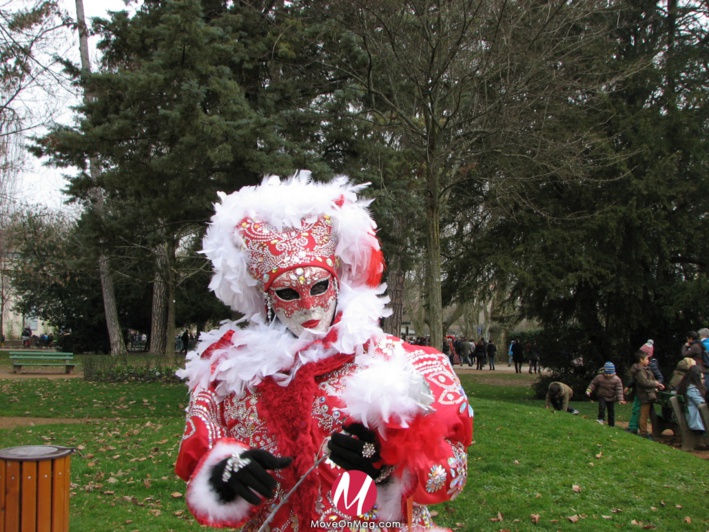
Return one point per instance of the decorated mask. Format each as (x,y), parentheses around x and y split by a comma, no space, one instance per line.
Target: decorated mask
(304,298)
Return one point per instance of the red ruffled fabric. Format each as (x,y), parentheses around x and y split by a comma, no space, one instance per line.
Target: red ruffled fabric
(287,411)
(415,447)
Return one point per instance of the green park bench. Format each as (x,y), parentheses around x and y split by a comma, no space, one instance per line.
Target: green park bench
(689,437)
(666,419)
(41,358)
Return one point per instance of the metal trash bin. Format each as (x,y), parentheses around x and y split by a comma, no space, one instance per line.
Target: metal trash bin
(34,488)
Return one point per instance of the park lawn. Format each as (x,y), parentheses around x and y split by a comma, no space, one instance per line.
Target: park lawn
(77,398)
(527,464)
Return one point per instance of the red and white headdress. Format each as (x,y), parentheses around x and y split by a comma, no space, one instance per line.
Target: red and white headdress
(258,233)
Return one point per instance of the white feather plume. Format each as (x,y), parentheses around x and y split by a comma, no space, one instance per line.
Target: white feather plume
(388,390)
(286,204)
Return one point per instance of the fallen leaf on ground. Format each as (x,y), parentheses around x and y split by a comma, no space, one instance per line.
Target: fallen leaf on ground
(573,518)
(576,488)
(688,520)
(497,519)
(535,518)
(176,494)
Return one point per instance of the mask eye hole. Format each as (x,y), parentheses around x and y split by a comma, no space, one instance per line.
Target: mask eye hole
(287,294)
(319,288)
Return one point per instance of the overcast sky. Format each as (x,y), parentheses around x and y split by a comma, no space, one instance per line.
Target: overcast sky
(41,184)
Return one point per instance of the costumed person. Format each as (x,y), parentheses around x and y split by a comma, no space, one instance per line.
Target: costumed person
(307,386)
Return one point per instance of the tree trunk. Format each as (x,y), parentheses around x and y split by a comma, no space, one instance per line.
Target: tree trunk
(395,290)
(110,308)
(161,294)
(433,271)
(2,297)
(107,288)
(171,287)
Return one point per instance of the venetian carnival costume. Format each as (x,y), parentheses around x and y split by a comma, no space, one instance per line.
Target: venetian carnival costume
(286,389)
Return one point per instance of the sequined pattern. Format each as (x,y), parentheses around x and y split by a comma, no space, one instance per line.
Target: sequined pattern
(270,251)
(434,368)
(458,466)
(203,407)
(436,478)
(244,423)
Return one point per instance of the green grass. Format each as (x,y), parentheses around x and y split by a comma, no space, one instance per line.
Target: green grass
(525,461)
(76,398)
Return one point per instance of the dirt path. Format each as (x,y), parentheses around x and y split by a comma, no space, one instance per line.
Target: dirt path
(12,422)
(39,373)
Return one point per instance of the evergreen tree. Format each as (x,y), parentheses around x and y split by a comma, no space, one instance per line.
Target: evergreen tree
(192,97)
(620,257)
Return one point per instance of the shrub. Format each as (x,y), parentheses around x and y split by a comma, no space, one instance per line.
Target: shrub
(569,356)
(128,368)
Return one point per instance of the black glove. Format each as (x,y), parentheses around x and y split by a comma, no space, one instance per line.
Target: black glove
(359,451)
(250,479)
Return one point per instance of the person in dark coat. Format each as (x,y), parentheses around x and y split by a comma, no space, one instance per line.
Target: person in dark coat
(517,356)
(480,354)
(491,352)
(185,341)
(645,389)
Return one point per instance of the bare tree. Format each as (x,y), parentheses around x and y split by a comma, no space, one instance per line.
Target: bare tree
(97,205)
(32,38)
(445,76)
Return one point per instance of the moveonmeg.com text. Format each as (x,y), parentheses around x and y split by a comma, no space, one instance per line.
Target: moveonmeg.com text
(343,523)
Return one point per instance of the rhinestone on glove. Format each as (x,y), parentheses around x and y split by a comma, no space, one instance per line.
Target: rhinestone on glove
(233,464)
(368,450)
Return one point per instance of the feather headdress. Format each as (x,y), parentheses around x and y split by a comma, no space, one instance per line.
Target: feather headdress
(244,239)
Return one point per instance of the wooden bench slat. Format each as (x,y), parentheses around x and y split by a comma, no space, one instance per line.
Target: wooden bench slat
(43,364)
(40,355)
(42,358)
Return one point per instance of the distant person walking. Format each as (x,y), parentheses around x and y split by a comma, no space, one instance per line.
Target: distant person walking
(185,342)
(533,359)
(491,352)
(517,356)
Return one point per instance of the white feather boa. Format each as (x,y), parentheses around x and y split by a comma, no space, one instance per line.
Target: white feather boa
(387,391)
(262,350)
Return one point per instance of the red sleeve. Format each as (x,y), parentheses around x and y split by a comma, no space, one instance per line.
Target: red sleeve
(433,451)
